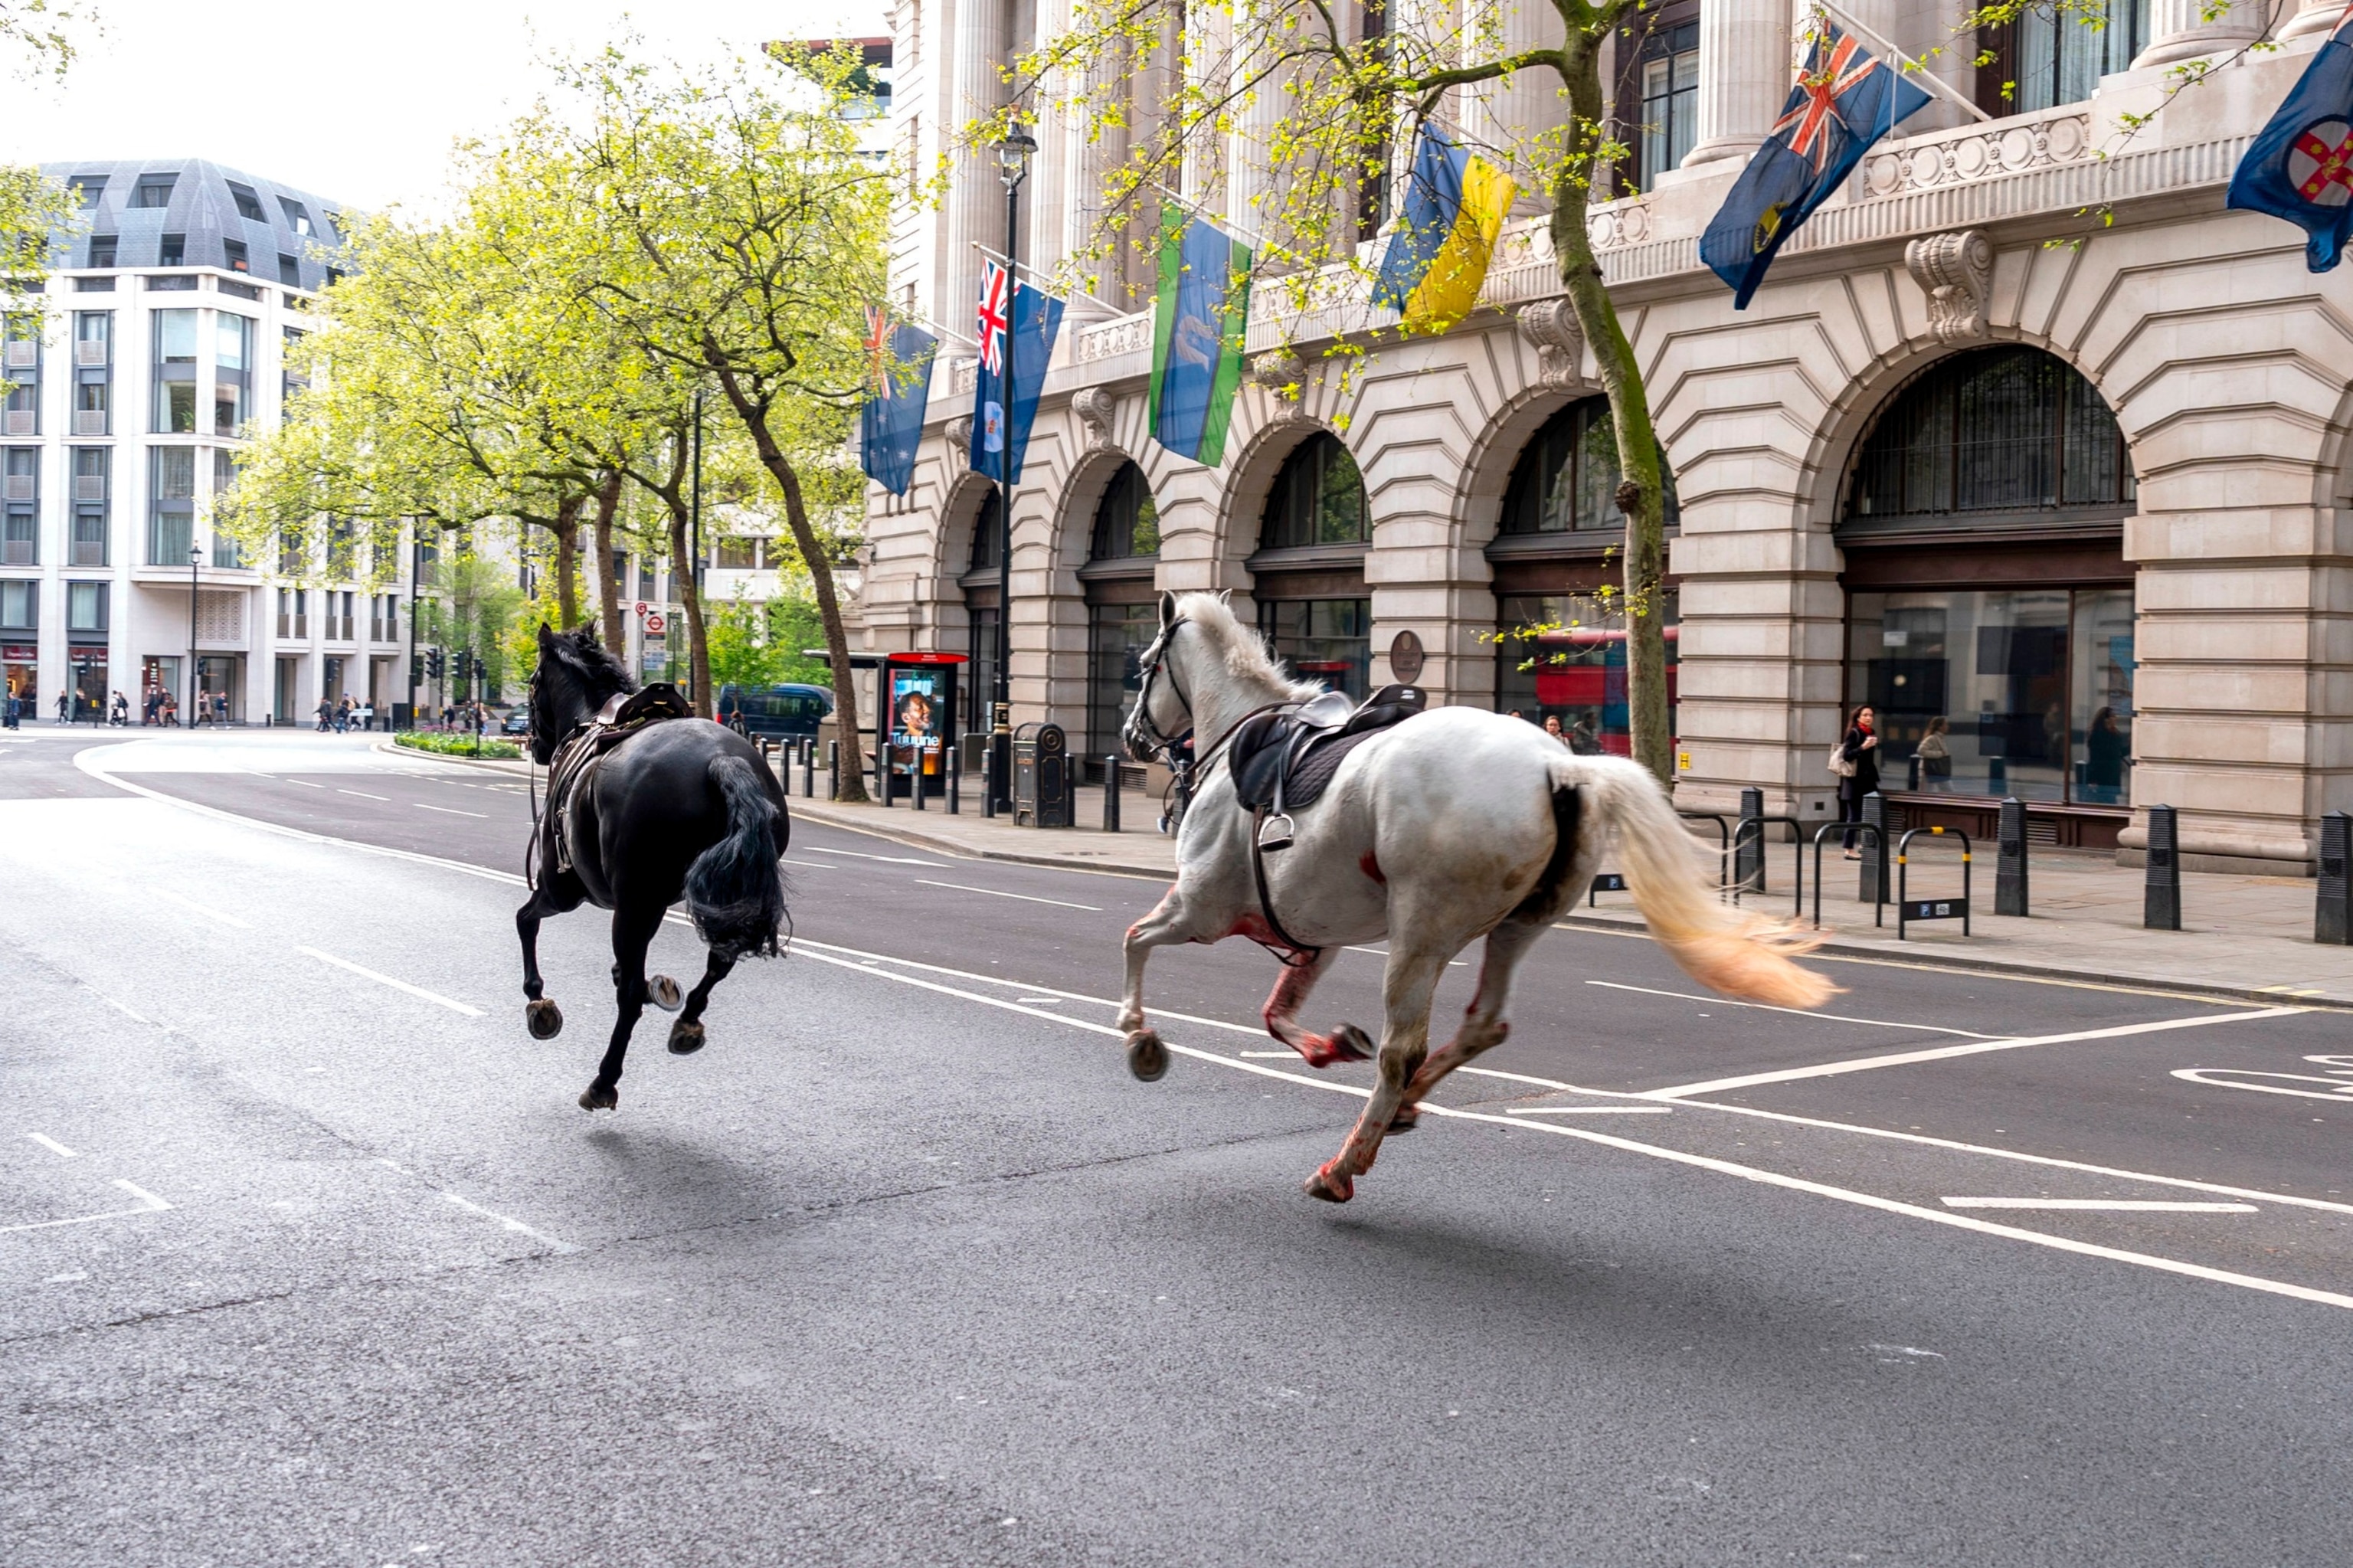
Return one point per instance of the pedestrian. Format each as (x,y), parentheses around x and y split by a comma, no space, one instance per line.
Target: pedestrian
(64,709)
(170,710)
(367,717)
(8,709)
(122,719)
(1582,738)
(1859,776)
(2105,752)
(1934,750)
(1552,729)
(326,714)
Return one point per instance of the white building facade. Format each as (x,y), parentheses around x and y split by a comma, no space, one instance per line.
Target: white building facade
(2026,440)
(156,350)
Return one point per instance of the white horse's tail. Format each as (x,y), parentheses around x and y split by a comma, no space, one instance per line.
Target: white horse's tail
(1723,947)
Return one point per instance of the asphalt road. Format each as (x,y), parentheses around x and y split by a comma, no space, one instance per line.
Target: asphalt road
(306,1254)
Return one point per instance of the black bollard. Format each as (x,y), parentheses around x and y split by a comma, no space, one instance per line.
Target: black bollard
(2010,861)
(1997,775)
(2333,921)
(833,770)
(918,782)
(1875,856)
(808,768)
(1110,793)
(2162,904)
(1912,780)
(1749,858)
(954,757)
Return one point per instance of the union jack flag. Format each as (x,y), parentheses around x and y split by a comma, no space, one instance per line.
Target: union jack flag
(1814,112)
(996,315)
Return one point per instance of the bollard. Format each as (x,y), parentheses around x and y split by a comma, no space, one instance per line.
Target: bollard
(1110,793)
(833,770)
(2010,861)
(2162,904)
(954,756)
(809,770)
(1873,887)
(1997,776)
(883,774)
(917,781)
(1912,779)
(1748,850)
(988,780)
(2333,922)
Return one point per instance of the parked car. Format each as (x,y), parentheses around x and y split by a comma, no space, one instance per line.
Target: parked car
(776,713)
(517,722)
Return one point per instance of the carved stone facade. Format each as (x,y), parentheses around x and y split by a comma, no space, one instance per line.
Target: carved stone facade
(2227,367)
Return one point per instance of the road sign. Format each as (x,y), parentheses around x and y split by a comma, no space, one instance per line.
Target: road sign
(654,623)
(643,607)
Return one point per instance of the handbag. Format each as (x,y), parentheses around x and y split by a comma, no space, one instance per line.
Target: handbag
(1841,763)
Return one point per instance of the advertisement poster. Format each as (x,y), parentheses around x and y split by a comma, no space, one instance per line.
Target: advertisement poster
(915,721)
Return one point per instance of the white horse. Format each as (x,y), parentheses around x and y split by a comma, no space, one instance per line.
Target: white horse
(1453,825)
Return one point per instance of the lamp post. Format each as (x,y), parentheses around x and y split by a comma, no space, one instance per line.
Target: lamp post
(196,560)
(1013,155)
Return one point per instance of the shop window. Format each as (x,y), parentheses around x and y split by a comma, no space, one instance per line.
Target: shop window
(1118,636)
(2055,54)
(1560,662)
(1318,499)
(1324,639)
(1568,476)
(1128,522)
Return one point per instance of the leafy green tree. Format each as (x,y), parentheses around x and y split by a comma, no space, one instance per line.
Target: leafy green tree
(36,39)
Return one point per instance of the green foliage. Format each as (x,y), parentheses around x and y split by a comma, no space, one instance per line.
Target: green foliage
(757,643)
(457,743)
(478,608)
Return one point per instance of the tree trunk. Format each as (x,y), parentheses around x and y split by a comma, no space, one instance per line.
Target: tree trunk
(820,570)
(689,598)
(567,530)
(1642,495)
(600,561)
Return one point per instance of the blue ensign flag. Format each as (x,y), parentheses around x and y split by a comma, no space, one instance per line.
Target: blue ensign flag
(2300,165)
(890,425)
(1017,339)
(1844,100)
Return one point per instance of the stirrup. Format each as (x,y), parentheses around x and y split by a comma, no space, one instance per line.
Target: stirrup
(1274,832)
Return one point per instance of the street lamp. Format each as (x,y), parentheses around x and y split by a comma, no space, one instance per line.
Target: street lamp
(1013,155)
(196,560)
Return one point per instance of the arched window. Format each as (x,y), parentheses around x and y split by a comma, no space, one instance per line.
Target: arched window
(1990,432)
(1567,475)
(985,529)
(1127,523)
(1318,499)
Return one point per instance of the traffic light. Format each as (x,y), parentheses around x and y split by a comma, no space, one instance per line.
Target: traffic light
(465,667)
(434,663)
(416,668)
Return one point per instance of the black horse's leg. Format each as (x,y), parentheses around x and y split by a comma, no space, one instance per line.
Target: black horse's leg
(633,933)
(544,1018)
(686,1035)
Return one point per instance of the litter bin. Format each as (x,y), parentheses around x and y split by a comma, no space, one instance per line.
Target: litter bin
(1042,776)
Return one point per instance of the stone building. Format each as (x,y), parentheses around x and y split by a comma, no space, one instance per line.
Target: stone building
(2026,440)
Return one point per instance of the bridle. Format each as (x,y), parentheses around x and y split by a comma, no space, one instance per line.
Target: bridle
(1164,745)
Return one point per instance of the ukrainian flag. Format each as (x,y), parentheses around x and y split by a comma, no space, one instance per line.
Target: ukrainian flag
(1437,261)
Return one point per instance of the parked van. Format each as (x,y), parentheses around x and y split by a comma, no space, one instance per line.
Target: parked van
(776,713)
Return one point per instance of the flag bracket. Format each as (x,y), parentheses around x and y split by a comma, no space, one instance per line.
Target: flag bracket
(1918,74)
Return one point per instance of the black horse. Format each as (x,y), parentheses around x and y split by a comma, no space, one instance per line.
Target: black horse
(674,808)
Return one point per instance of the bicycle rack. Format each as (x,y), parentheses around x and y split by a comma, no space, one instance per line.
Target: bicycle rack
(1878,908)
(1907,909)
(1723,842)
(1797,857)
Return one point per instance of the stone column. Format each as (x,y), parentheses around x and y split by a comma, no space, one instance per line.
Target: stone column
(1510,115)
(1745,48)
(2178,31)
(975,35)
(2312,17)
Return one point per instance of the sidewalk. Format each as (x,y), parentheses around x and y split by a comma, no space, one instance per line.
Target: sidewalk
(2246,937)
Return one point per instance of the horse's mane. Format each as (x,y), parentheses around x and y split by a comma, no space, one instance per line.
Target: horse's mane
(1244,649)
(593,673)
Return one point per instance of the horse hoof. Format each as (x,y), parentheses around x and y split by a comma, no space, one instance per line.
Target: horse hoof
(685,1039)
(663,992)
(600,1097)
(544,1018)
(1408,1118)
(1350,1043)
(1147,1058)
(1330,1185)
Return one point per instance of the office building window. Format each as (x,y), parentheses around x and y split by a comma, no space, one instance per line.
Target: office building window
(736,555)
(174,251)
(290,271)
(298,216)
(103,250)
(85,607)
(20,495)
(343,550)
(91,482)
(153,190)
(20,353)
(171,524)
(87,189)
(227,551)
(249,206)
(20,606)
(2057,55)
(293,612)
(93,337)
(1670,78)
(233,250)
(232,373)
(175,373)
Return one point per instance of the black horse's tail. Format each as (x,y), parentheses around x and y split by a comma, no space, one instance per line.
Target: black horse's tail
(735,889)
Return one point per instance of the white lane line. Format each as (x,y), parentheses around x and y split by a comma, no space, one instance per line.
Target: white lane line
(207,914)
(1904,1058)
(993,892)
(148,1204)
(512,1223)
(52,1145)
(416,991)
(304,782)
(1383,953)
(2094,1205)
(1676,1156)
(360,793)
(1588,1110)
(886,858)
(2340,1088)
(810,864)
(1799,1011)
(446,811)
(127,1012)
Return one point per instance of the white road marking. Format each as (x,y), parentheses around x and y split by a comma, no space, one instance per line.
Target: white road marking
(1588,1110)
(304,782)
(1799,1011)
(416,991)
(127,1012)
(886,859)
(149,1204)
(446,811)
(993,892)
(809,865)
(2336,1085)
(207,914)
(362,794)
(1904,1058)
(2122,1205)
(1383,953)
(52,1145)
(512,1223)
(1034,999)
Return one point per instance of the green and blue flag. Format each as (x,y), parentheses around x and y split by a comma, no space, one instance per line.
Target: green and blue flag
(1016,328)
(899,382)
(1197,338)
(2300,164)
(1844,100)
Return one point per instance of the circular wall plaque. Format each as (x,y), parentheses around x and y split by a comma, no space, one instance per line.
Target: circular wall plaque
(1405,657)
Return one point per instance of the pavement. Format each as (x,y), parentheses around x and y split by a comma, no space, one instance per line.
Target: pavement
(307,1255)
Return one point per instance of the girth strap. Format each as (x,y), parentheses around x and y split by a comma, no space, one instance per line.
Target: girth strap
(1300,954)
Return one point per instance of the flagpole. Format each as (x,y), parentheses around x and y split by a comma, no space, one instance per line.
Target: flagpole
(1046,284)
(1934,85)
(1256,240)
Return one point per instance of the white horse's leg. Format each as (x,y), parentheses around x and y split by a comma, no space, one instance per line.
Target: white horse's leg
(1483,1026)
(1147,1058)
(1345,1044)
(1412,977)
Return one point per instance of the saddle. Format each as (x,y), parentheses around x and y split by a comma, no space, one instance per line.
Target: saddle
(623,716)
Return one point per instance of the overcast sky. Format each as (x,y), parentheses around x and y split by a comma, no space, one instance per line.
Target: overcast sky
(355,101)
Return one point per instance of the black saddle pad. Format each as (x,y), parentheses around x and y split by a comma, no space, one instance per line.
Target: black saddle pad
(1276,747)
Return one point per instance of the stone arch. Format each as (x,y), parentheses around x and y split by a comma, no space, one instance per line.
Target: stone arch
(959,510)
(1075,508)
(1486,469)
(1242,502)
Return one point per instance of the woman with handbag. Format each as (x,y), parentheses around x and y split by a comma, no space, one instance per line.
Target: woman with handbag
(1856,762)
(1935,751)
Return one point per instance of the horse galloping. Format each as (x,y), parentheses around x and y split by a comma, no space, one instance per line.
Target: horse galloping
(1453,825)
(640,815)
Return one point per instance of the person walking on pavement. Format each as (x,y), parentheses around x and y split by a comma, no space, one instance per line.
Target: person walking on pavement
(122,719)
(170,710)
(1860,776)
(64,709)
(326,714)
(367,717)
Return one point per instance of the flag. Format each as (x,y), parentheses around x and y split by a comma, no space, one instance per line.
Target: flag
(1844,100)
(1016,328)
(1197,336)
(899,388)
(1454,209)
(2300,165)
